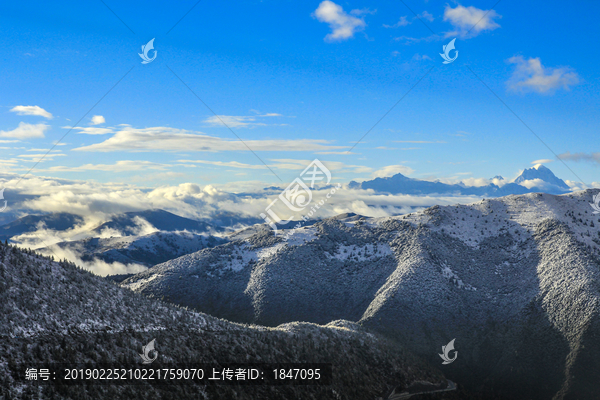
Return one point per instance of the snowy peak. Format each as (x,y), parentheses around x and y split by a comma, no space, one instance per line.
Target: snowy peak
(542,173)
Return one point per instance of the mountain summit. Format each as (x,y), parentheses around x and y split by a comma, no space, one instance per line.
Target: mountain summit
(539,171)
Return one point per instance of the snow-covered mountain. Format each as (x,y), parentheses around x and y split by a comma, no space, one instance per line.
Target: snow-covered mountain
(147,250)
(54,312)
(541,175)
(536,179)
(515,280)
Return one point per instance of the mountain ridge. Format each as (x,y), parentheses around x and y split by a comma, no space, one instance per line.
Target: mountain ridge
(401,184)
(517,262)
(55,312)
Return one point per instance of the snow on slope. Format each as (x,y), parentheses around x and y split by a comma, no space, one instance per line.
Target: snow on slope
(497,274)
(57,313)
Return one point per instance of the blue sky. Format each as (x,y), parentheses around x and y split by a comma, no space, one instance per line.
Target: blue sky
(297,80)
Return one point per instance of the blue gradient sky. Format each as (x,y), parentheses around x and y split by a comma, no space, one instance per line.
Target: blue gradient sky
(254,59)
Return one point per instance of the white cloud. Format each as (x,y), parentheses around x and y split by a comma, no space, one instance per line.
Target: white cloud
(97,120)
(470,21)
(26,131)
(391,170)
(531,76)
(343,26)
(31,110)
(172,139)
(542,161)
(97,266)
(244,121)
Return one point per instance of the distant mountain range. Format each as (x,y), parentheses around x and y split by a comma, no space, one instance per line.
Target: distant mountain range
(31,223)
(515,280)
(129,223)
(147,250)
(543,180)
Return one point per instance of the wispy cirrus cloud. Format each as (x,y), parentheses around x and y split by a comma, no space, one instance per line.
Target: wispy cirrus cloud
(119,166)
(343,25)
(531,76)
(228,164)
(31,110)
(244,121)
(37,157)
(412,40)
(283,164)
(404,20)
(90,130)
(26,131)
(171,139)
